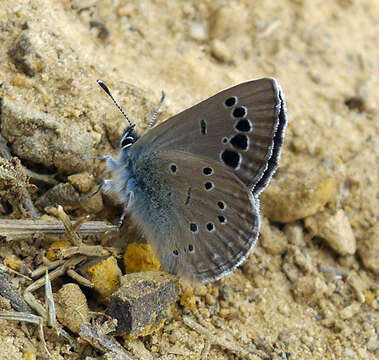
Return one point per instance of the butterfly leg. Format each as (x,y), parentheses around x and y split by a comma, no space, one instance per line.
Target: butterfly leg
(126,210)
(111,163)
(102,186)
(122,218)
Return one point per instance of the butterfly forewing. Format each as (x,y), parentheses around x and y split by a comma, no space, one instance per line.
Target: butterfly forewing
(200,218)
(241,127)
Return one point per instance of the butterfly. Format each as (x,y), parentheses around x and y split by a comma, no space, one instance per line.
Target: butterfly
(193,182)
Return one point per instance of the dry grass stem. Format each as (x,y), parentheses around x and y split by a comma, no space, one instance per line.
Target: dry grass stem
(48,265)
(19,229)
(71,263)
(94,336)
(79,279)
(71,234)
(87,250)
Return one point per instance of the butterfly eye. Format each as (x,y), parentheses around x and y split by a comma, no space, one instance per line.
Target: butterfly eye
(126,141)
(176,252)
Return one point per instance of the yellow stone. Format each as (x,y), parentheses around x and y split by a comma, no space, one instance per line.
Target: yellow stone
(140,257)
(12,263)
(53,252)
(188,299)
(29,355)
(105,276)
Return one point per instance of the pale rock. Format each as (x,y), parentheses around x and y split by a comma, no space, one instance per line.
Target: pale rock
(42,138)
(368,249)
(349,311)
(335,229)
(71,307)
(82,182)
(221,51)
(272,239)
(300,190)
(198,32)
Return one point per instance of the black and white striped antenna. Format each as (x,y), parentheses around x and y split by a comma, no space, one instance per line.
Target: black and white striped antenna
(105,88)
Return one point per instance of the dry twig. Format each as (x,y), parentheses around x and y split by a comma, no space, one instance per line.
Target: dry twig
(12,294)
(19,229)
(95,336)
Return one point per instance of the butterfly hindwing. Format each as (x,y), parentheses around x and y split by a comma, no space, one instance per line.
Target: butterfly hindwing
(200,218)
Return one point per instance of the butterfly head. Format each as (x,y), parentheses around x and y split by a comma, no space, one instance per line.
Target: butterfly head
(129,137)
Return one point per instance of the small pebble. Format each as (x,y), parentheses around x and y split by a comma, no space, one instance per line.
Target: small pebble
(83,182)
(54,249)
(349,311)
(26,55)
(335,229)
(210,300)
(294,233)
(45,139)
(141,304)
(373,343)
(71,307)
(272,239)
(228,22)
(308,288)
(140,257)
(63,194)
(105,275)
(349,353)
(358,286)
(29,355)
(188,299)
(94,204)
(198,32)
(368,250)
(13,262)
(220,51)
(300,190)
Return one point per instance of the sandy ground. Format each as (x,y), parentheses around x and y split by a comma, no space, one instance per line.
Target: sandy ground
(310,289)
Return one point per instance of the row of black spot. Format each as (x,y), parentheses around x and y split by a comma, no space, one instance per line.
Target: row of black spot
(239,141)
(191,249)
(210,226)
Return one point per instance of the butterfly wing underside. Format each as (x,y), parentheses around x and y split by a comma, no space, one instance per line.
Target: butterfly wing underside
(201,220)
(242,127)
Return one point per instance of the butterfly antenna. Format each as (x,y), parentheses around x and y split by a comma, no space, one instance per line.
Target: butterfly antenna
(105,88)
(157,110)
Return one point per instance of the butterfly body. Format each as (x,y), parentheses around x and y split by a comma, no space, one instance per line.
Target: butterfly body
(193,181)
